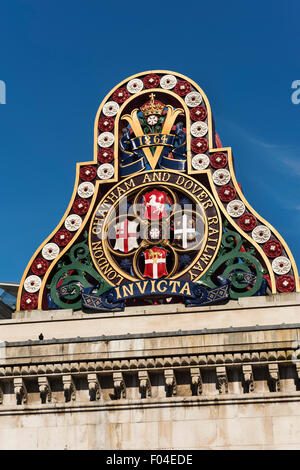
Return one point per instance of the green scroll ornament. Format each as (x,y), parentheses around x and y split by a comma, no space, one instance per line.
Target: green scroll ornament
(242,268)
(77,271)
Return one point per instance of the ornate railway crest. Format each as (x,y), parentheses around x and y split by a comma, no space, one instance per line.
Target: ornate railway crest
(157,216)
(176,234)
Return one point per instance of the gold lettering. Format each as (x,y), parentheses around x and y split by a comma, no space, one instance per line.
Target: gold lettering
(129,184)
(97,229)
(120,279)
(112,197)
(207,204)
(159,288)
(118,292)
(193,276)
(188,184)
(98,253)
(202,195)
(212,231)
(152,287)
(205,258)
(196,188)
(166,176)
(121,191)
(198,266)
(185,289)
(147,140)
(180,180)
(212,220)
(210,248)
(96,245)
(111,275)
(142,288)
(147,178)
(127,290)
(174,284)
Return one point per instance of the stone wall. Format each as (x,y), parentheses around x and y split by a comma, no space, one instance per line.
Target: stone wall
(162,377)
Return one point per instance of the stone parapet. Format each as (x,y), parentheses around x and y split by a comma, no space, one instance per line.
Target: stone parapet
(157,366)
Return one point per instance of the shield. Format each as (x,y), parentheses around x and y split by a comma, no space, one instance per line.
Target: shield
(155,263)
(184,230)
(126,236)
(155,204)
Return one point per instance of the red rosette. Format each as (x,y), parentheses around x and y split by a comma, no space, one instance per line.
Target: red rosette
(199,145)
(29,301)
(218,160)
(182,88)
(273,248)
(62,237)
(198,113)
(285,283)
(106,124)
(88,173)
(105,155)
(121,95)
(247,222)
(151,81)
(227,193)
(81,206)
(39,266)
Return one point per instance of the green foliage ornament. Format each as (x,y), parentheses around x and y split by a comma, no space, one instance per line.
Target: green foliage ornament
(241,267)
(75,272)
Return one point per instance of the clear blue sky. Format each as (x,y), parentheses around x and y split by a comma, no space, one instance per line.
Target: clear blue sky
(60,58)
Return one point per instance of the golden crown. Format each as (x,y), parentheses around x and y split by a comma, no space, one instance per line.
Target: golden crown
(152,107)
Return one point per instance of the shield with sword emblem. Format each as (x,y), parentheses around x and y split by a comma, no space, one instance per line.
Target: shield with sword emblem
(155,262)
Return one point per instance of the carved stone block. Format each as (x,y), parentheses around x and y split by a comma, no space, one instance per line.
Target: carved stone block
(69,388)
(145,385)
(248,378)
(274,379)
(196,381)
(94,387)
(170,381)
(222,380)
(119,385)
(20,391)
(45,389)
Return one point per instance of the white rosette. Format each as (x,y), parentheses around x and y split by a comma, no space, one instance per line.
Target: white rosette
(200,161)
(235,208)
(135,85)
(261,234)
(193,99)
(106,139)
(86,189)
(199,129)
(110,108)
(221,177)
(281,265)
(73,222)
(105,171)
(50,251)
(32,283)
(168,82)
(154,233)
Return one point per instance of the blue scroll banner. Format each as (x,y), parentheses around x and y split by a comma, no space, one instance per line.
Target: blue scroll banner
(192,293)
(134,160)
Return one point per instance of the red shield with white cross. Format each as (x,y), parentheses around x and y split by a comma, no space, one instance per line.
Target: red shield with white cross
(155,263)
